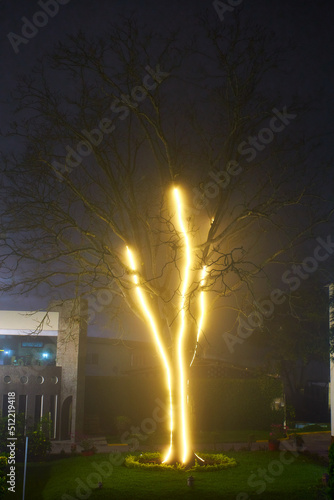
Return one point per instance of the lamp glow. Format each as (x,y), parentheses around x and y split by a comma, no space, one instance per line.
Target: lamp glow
(150,318)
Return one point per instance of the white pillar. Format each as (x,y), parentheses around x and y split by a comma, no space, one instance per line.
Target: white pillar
(331,326)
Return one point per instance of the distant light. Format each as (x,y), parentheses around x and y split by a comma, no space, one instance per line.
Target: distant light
(45,355)
(7,353)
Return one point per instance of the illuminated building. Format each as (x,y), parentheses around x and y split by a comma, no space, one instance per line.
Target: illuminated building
(45,367)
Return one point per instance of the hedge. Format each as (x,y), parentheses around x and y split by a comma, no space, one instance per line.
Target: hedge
(217,403)
(235,404)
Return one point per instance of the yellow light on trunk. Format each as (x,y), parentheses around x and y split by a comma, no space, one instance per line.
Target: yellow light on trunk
(181,359)
(157,337)
(180,350)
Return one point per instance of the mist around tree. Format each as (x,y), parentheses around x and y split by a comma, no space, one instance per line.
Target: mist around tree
(106,127)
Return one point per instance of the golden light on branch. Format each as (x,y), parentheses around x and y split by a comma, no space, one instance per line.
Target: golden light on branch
(181,356)
(157,337)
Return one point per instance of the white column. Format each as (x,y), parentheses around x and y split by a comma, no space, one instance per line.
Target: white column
(55,424)
(331,326)
(42,406)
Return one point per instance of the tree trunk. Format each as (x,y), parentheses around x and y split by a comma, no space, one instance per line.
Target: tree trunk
(181,449)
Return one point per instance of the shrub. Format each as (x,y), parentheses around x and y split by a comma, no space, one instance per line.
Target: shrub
(148,461)
(152,461)
(331,470)
(235,403)
(122,423)
(3,465)
(219,404)
(39,443)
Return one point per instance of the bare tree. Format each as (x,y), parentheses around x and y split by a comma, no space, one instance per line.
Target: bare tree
(295,339)
(177,151)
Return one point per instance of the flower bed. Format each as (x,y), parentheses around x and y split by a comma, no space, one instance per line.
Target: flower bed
(153,461)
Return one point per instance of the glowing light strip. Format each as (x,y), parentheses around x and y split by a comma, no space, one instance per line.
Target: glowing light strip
(199,458)
(184,423)
(157,338)
(201,320)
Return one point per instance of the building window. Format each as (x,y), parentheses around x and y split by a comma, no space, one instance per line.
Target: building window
(92,358)
(140,360)
(53,415)
(38,408)
(5,405)
(23,400)
(25,351)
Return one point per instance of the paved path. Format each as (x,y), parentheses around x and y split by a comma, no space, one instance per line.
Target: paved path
(318,443)
(100,444)
(314,443)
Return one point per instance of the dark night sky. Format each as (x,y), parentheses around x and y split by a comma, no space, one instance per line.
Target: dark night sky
(308,23)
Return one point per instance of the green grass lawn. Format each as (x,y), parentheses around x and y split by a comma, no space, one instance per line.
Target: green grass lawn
(60,480)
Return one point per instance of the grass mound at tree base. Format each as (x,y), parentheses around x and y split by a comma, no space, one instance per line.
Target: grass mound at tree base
(153,461)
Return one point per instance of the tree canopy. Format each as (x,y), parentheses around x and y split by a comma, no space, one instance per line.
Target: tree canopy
(107,126)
